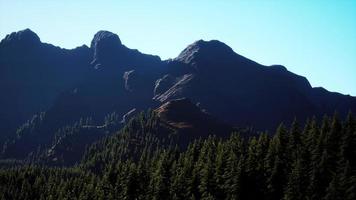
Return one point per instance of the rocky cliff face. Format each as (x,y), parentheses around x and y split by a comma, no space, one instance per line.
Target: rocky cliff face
(238,90)
(110,77)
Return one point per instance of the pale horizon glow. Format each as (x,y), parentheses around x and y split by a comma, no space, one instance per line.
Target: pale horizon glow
(315,39)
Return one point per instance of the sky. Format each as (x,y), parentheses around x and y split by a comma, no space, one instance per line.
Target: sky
(315,39)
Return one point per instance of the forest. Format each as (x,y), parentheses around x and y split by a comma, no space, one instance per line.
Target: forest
(306,160)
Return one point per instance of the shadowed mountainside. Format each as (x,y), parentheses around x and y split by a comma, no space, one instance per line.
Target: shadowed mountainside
(91,82)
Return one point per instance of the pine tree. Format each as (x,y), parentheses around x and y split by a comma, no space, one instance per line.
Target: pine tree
(233,176)
(160,178)
(294,189)
(276,161)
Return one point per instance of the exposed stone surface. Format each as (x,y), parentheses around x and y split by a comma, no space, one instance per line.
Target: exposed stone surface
(103,43)
(24,38)
(109,77)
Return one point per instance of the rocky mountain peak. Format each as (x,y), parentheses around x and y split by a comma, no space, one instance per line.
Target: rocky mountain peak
(24,37)
(205,50)
(104,43)
(103,38)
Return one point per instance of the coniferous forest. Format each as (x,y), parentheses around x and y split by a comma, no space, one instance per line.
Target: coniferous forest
(314,161)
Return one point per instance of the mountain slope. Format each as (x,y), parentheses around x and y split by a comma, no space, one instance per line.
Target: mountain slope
(175,124)
(244,92)
(33,74)
(109,77)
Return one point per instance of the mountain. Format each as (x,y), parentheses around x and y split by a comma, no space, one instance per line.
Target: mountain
(243,92)
(33,74)
(56,88)
(120,79)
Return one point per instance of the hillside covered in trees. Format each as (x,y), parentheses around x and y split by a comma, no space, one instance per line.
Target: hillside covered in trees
(315,161)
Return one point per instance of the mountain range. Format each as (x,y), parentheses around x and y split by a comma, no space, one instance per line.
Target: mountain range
(207,87)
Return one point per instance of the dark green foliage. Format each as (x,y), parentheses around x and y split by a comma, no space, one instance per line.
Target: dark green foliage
(34,142)
(140,162)
(29,131)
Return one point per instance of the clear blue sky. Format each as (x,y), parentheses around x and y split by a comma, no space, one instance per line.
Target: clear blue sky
(316,39)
